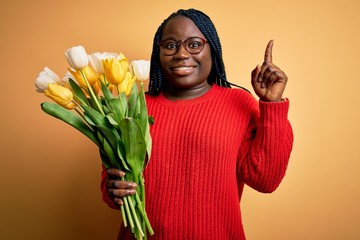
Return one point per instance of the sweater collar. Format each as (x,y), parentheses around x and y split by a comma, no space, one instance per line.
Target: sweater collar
(213,91)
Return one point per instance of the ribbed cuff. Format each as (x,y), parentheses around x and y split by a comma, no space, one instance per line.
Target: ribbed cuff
(274,113)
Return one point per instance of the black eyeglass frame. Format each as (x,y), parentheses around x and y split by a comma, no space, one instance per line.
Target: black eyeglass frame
(160,44)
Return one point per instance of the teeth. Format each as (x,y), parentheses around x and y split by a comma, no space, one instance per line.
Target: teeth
(182,68)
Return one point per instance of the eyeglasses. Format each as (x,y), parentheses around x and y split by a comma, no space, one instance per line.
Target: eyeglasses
(193,45)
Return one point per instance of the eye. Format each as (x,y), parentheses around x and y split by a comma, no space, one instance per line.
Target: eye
(194,43)
(170,45)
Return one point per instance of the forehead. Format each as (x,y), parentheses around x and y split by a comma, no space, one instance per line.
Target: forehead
(181,27)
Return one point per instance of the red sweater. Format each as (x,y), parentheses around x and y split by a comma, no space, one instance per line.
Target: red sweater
(204,150)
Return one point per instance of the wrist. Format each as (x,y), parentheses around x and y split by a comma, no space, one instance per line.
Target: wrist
(273,100)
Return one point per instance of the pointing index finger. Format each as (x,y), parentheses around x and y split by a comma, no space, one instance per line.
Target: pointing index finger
(268,52)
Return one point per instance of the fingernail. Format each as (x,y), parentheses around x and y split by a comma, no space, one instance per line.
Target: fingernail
(132,185)
(121,174)
(119,202)
(131,191)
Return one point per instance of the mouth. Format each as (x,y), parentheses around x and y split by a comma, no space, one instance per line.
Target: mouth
(183,70)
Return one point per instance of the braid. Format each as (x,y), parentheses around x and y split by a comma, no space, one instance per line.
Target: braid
(205,25)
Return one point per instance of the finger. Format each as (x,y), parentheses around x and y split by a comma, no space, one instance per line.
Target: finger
(119,193)
(267,73)
(274,76)
(118,201)
(115,172)
(255,74)
(117,184)
(268,52)
(263,68)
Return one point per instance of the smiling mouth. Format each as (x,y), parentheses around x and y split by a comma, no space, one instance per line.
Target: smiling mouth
(182,68)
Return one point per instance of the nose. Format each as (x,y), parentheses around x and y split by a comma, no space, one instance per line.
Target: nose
(181,51)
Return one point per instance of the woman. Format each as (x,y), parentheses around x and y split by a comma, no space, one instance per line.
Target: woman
(208,139)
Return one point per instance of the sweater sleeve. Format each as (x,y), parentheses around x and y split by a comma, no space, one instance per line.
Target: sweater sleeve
(266,147)
(105,195)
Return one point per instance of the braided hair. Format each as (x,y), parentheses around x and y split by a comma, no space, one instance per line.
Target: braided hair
(203,22)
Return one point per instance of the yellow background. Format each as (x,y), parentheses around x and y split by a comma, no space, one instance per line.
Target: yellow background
(50,173)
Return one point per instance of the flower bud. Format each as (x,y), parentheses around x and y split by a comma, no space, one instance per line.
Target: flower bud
(127,83)
(61,95)
(46,77)
(141,69)
(89,73)
(115,69)
(77,57)
(96,60)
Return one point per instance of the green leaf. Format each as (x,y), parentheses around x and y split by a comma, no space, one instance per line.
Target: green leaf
(110,154)
(78,93)
(132,101)
(70,118)
(107,94)
(135,146)
(144,121)
(96,117)
(121,154)
(104,159)
(143,109)
(110,134)
(151,120)
(111,119)
(123,102)
(117,108)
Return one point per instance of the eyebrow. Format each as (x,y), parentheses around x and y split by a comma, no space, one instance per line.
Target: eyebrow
(173,38)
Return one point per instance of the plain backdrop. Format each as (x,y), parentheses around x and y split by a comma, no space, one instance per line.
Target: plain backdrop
(50,173)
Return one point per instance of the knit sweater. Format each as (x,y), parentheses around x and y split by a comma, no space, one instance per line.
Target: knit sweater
(204,151)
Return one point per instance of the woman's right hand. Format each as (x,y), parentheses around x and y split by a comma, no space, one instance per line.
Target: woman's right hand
(117,188)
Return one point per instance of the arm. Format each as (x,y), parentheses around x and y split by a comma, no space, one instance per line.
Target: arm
(266,148)
(267,145)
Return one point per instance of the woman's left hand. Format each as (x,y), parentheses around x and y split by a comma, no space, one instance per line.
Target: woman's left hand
(268,81)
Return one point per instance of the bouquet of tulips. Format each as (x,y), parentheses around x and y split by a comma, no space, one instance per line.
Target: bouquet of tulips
(99,97)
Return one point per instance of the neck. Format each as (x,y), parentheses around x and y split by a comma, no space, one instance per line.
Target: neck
(173,93)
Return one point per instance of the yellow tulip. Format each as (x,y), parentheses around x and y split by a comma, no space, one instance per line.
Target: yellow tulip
(61,95)
(90,74)
(115,69)
(127,84)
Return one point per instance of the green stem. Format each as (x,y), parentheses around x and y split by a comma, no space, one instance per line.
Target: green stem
(78,105)
(133,211)
(128,213)
(144,215)
(122,209)
(118,90)
(80,112)
(142,185)
(92,94)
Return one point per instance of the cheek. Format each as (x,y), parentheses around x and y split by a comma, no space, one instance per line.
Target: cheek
(207,65)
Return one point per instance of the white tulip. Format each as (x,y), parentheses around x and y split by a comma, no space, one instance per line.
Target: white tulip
(67,76)
(46,77)
(77,57)
(141,69)
(96,60)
